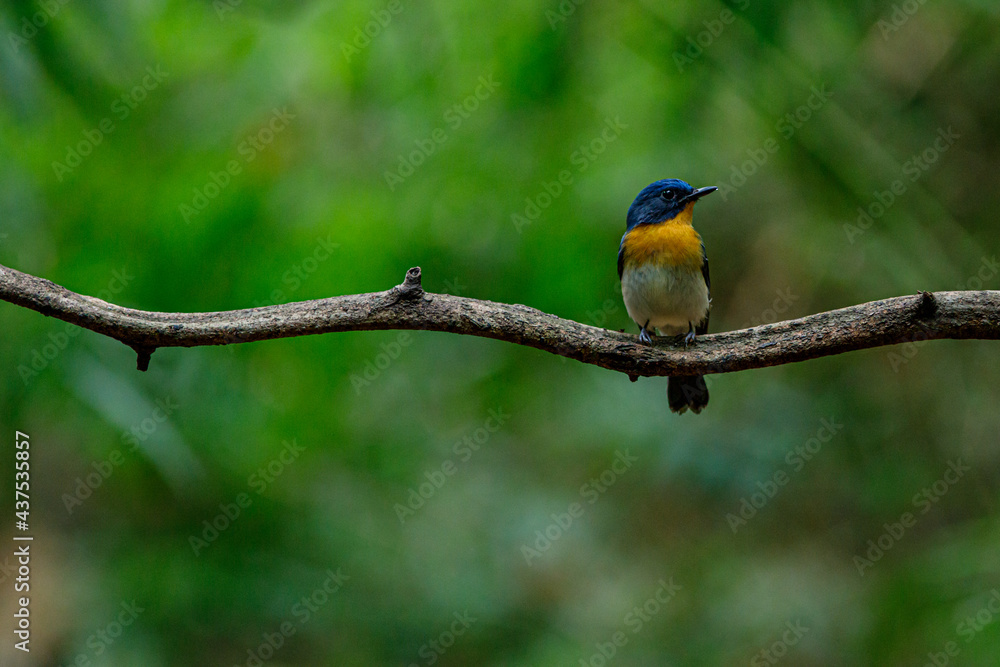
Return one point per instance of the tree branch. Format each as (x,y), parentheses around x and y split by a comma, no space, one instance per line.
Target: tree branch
(925,316)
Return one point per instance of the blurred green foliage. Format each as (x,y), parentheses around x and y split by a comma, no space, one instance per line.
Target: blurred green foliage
(436,134)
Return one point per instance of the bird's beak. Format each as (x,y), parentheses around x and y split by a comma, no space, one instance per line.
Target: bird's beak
(700,192)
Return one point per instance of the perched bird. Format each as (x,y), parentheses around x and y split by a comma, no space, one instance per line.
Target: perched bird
(664,273)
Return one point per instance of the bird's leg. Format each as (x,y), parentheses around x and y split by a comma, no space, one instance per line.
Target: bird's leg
(644,334)
(689,337)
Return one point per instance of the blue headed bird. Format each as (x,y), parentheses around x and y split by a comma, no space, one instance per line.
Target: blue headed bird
(664,273)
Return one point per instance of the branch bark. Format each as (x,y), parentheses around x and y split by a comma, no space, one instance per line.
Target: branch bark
(925,316)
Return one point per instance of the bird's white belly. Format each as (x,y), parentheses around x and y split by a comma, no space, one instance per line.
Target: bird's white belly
(666,297)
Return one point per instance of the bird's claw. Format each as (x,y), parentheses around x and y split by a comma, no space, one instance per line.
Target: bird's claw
(645,337)
(688,338)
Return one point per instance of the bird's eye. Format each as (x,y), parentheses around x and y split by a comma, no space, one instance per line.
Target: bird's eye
(668,195)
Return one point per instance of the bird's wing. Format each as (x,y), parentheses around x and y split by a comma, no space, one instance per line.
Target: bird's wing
(621,256)
(702,328)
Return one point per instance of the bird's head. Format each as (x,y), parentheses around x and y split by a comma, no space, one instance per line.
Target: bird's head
(663,200)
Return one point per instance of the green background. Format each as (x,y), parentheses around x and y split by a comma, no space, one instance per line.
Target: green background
(699,91)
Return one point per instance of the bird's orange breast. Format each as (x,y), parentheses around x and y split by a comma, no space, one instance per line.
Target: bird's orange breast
(672,243)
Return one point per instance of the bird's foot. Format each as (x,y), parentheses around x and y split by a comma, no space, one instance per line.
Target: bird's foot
(689,338)
(644,336)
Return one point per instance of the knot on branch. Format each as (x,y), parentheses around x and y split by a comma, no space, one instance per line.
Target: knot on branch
(144,353)
(927,306)
(411,287)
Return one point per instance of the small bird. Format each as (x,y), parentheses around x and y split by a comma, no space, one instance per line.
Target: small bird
(664,273)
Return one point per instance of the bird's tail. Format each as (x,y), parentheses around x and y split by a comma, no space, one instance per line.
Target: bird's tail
(686,392)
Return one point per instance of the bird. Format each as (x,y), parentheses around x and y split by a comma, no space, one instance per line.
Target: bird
(663,269)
